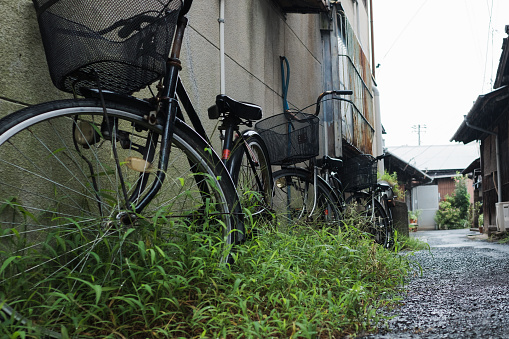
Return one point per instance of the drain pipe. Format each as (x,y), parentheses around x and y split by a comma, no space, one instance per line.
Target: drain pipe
(221,46)
(358,20)
(499,175)
(378,149)
(372,38)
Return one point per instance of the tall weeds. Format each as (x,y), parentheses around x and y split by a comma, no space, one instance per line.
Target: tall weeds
(316,282)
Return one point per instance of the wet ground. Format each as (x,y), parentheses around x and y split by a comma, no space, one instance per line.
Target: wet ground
(463,291)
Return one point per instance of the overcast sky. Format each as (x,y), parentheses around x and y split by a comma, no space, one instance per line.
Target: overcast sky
(435,58)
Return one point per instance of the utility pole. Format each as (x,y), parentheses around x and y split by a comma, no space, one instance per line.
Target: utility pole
(418,129)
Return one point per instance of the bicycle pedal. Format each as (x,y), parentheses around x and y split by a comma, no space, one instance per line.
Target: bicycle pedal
(139,165)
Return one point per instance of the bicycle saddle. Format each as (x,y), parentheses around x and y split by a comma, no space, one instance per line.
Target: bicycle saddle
(243,110)
(333,164)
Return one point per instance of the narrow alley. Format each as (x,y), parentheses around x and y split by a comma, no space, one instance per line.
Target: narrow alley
(462,292)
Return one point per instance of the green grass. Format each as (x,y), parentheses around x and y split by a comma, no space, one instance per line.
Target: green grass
(326,283)
(404,243)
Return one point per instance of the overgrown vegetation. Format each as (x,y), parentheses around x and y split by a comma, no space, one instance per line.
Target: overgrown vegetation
(406,243)
(474,211)
(327,282)
(392,179)
(453,211)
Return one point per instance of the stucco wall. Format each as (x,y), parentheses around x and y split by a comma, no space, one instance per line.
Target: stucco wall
(256,34)
(24,78)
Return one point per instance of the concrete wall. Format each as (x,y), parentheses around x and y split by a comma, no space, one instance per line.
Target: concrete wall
(24,78)
(257,33)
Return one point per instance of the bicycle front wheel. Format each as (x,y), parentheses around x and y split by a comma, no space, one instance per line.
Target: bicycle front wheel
(70,180)
(373,216)
(295,198)
(251,172)
(390,222)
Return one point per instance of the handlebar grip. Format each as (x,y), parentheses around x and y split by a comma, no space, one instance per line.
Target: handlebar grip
(382,156)
(338,92)
(343,92)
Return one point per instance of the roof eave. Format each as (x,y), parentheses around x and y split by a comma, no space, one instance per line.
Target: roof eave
(477,113)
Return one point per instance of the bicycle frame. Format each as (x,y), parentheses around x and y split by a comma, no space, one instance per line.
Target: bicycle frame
(171,88)
(324,164)
(167,107)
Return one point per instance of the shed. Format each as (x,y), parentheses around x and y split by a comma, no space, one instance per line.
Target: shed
(439,162)
(435,166)
(488,121)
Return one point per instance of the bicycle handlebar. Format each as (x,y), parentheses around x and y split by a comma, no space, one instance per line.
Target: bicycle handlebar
(185,7)
(380,157)
(337,92)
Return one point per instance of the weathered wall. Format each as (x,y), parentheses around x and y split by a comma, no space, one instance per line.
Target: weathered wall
(400,217)
(489,169)
(256,34)
(24,78)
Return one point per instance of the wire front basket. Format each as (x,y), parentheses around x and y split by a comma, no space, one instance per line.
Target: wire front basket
(125,44)
(290,137)
(359,173)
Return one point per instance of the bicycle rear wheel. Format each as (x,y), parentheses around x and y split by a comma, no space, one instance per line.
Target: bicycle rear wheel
(294,199)
(251,172)
(66,203)
(373,214)
(390,222)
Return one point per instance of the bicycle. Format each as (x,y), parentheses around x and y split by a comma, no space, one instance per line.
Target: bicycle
(301,193)
(244,154)
(84,180)
(369,197)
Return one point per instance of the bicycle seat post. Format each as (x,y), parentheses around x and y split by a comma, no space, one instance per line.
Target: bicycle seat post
(229,127)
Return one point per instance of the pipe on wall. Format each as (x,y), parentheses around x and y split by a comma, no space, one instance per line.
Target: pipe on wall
(358,22)
(372,38)
(379,150)
(221,47)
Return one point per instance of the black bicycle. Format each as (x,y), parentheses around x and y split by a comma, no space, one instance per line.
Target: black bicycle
(303,187)
(370,198)
(84,180)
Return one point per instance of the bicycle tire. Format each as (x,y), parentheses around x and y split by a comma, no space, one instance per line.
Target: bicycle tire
(373,214)
(390,221)
(293,199)
(253,186)
(337,185)
(63,212)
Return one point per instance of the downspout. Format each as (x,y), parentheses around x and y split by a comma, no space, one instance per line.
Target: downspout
(499,174)
(358,21)
(221,46)
(379,150)
(372,38)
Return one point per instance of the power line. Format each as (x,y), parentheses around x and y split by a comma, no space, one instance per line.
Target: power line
(490,10)
(404,29)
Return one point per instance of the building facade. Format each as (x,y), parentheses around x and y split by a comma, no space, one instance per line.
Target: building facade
(328,45)
(488,122)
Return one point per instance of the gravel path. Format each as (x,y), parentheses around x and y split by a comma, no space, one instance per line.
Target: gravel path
(462,293)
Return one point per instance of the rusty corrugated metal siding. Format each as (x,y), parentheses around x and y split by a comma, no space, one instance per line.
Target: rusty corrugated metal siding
(355,74)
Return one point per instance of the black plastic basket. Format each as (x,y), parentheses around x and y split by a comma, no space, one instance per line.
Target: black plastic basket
(123,43)
(290,137)
(359,173)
